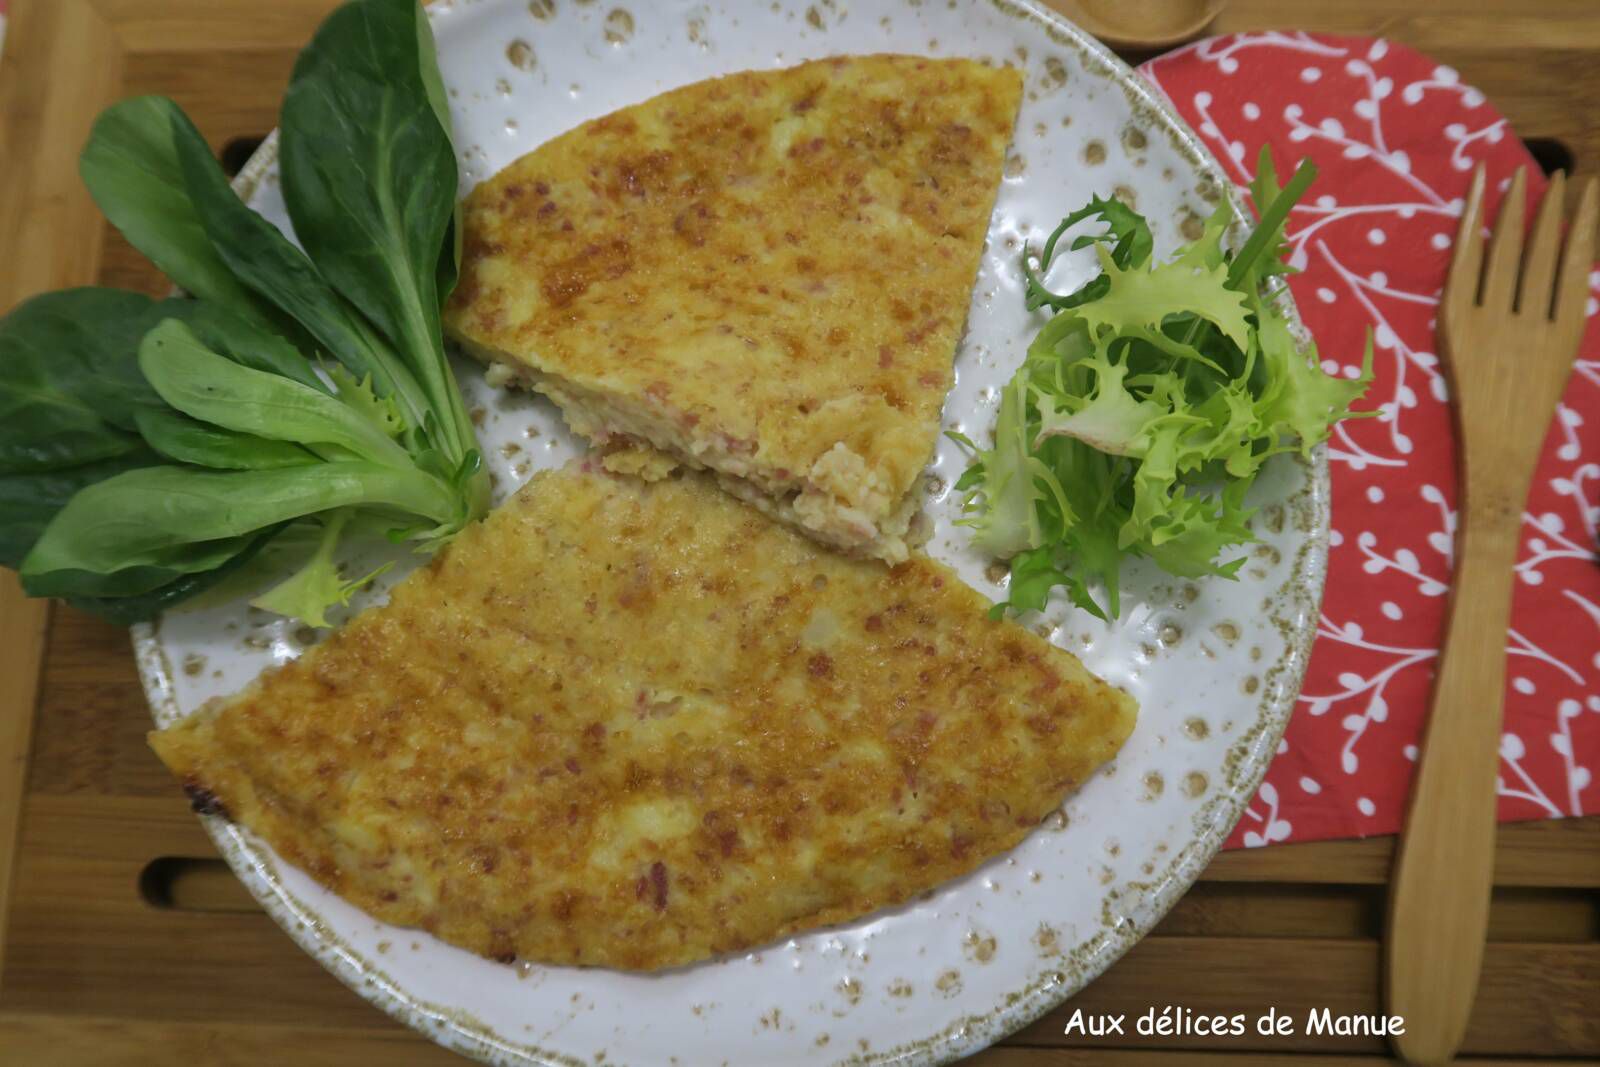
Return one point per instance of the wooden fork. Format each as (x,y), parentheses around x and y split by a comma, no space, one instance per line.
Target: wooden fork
(1509,325)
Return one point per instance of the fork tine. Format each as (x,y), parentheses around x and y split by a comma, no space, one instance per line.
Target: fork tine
(1505,247)
(1461,284)
(1572,290)
(1535,295)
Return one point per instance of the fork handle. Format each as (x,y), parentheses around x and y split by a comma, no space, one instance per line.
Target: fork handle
(1439,898)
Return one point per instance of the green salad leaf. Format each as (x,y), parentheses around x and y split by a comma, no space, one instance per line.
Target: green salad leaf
(131,166)
(131,532)
(66,396)
(317,585)
(185,440)
(370,181)
(150,448)
(269,264)
(28,501)
(1146,407)
(127,610)
(212,388)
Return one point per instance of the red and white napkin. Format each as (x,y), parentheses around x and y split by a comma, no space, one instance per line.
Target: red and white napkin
(1396,137)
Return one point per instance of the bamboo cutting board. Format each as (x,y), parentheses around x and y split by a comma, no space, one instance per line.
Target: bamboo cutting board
(126,941)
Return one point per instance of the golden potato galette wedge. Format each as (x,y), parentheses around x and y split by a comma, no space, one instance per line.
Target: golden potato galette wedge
(636,724)
(764,274)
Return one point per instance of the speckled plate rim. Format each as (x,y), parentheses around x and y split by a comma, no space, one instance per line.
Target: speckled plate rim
(1293,608)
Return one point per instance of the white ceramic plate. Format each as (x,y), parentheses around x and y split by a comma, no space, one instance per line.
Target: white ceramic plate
(1215,665)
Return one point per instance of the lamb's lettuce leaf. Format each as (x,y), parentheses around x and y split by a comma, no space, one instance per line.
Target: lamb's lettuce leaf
(132,168)
(149,447)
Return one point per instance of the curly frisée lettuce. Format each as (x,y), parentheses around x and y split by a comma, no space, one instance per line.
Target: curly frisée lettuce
(1146,407)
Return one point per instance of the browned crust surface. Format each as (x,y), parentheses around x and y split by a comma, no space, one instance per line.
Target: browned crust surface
(635,725)
(766,273)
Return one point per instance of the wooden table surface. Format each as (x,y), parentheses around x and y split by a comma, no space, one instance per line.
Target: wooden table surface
(126,941)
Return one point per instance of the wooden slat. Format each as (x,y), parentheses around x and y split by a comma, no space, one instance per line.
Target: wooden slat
(49,242)
(1556,25)
(1560,852)
(1533,996)
(22,626)
(1210,909)
(92,720)
(1543,915)
(261,74)
(189,27)
(1258,909)
(73,1041)
(127,830)
(1022,1056)
(50,230)
(83,940)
